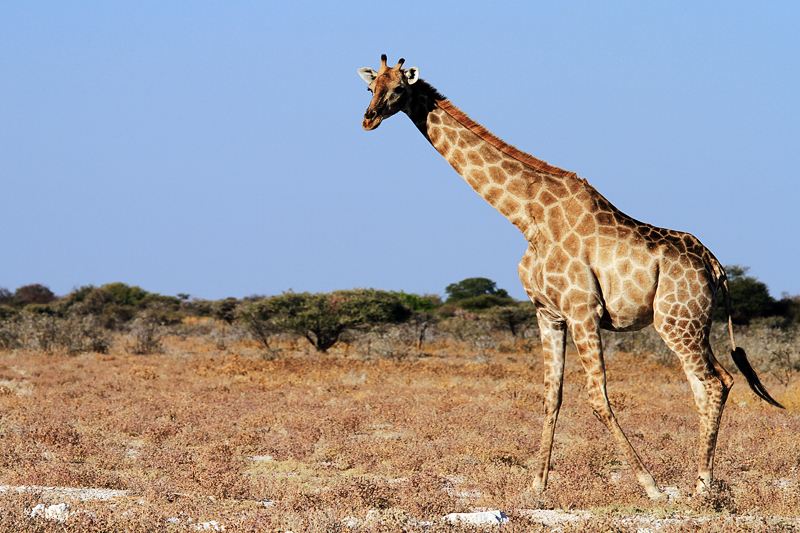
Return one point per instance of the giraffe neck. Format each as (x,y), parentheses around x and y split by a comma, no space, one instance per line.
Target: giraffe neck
(503,175)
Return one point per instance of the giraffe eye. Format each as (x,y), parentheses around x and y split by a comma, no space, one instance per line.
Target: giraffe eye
(399,89)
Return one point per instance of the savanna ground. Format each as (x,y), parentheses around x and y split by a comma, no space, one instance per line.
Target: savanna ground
(213,428)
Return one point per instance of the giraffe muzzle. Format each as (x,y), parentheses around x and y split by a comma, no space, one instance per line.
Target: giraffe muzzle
(371,120)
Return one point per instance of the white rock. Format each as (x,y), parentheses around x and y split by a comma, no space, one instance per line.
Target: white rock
(58,512)
(555,518)
(350,522)
(486,518)
(69,492)
(213,525)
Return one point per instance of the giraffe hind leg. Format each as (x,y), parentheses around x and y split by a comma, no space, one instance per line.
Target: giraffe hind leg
(710,384)
(587,341)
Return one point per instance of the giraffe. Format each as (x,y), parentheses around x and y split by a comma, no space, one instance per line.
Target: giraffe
(588,267)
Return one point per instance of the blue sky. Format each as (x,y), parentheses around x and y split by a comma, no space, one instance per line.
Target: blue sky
(216,149)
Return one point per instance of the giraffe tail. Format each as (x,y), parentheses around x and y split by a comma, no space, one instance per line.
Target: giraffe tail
(737,354)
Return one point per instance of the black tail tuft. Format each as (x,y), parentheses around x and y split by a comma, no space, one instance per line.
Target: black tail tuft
(740,358)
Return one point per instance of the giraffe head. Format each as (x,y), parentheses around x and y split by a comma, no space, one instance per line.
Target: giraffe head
(390,91)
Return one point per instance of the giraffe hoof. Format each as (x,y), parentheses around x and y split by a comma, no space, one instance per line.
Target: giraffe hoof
(537,487)
(655,494)
(702,487)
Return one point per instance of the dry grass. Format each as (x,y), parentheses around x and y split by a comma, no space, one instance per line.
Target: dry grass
(337,436)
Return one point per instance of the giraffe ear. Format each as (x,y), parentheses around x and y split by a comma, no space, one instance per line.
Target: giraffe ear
(367,74)
(412,75)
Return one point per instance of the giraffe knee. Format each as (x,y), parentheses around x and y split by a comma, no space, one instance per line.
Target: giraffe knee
(716,391)
(601,411)
(726,379)
(718,386)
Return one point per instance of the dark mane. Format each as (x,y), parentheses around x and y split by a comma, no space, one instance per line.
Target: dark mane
(430,90)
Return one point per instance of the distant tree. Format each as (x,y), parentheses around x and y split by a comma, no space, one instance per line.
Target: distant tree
(788,307)
(35,293)
(750,297)
(258,318)
(484,302)
(322,318)
(472,288)
(513,318)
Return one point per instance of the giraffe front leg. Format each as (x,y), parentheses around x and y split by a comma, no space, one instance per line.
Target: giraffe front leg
(553,334)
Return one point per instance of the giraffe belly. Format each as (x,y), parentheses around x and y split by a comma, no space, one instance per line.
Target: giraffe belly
(635,321)
(629,302)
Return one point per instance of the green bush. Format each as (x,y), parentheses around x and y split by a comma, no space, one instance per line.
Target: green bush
(50,332)
(116,304)
(415,302)
(93,301)
(202,308)
(41,309)
(86,300)
(225,310)
(122,294)
(7,312)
